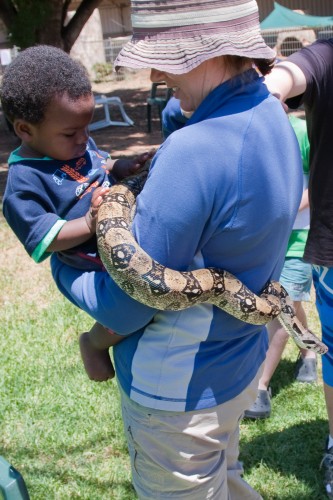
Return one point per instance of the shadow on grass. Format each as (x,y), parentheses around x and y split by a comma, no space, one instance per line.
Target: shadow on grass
(296,451)
(284,376)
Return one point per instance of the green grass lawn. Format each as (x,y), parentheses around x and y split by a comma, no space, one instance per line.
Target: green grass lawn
(64,432)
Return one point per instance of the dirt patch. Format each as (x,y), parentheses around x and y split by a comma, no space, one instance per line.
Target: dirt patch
(119,141)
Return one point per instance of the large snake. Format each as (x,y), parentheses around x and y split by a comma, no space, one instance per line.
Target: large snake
(162,288)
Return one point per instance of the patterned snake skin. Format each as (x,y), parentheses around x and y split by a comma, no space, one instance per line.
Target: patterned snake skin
(157,286)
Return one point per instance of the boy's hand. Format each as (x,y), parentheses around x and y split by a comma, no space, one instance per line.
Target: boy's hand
(124,167)
(96,200)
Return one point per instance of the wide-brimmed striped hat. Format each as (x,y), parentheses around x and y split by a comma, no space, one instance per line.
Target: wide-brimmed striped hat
(177,35)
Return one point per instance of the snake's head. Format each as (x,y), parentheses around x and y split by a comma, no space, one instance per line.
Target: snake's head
(136,182)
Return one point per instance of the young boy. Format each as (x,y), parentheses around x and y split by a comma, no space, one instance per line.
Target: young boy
(57,176)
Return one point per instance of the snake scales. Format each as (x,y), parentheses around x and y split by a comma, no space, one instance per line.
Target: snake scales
(157,286)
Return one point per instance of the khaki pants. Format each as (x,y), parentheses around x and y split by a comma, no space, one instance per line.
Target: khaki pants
(188,455)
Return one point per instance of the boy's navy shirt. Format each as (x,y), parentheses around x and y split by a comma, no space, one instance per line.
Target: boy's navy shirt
(41,194)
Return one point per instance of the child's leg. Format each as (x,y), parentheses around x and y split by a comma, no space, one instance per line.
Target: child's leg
(94,347)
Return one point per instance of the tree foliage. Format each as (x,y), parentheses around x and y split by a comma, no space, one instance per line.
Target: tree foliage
(31,22)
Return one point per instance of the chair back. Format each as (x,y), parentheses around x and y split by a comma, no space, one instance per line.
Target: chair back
(160,92)
(159,96)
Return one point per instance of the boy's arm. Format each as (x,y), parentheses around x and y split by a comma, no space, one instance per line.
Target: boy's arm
(77,231)
(124,167)
(72,233)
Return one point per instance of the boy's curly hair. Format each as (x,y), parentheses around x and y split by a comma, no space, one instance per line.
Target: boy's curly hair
(35,76)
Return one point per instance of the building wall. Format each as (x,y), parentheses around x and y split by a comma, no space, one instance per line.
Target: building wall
(115,17)
(116,13)
(89,47)
(116,20)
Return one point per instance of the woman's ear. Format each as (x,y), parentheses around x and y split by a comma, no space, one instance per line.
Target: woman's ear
(23,130)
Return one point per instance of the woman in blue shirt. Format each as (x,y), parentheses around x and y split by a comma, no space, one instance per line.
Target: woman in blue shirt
(216,196)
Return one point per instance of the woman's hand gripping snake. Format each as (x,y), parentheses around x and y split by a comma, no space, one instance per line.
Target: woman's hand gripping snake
(162,288)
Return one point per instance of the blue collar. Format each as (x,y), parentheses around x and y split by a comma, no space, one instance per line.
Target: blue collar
(245,84)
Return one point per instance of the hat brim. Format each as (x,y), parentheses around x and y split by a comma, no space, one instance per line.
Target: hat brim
(181,55)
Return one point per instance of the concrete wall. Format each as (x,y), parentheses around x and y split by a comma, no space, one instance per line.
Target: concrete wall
(89,47)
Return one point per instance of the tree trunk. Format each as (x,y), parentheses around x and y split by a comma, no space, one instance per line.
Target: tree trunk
(53,31)
(71,31)
(7,13)
(50,33)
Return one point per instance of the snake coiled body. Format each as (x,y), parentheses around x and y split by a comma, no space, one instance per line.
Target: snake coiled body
(162,288)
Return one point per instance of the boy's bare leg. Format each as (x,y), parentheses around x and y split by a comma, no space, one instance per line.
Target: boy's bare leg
(94,347)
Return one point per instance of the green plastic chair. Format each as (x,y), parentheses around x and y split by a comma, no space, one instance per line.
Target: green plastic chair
(12,485)
(159,96)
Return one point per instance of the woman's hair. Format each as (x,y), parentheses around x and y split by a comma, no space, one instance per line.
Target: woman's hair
(35,77)
(264,66)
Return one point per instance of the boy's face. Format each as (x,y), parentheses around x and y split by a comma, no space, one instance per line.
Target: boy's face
(63,134)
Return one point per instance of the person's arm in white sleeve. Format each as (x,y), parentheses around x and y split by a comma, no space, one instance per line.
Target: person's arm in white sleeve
(286,80)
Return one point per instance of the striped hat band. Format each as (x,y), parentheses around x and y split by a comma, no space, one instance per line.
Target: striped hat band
(178,35)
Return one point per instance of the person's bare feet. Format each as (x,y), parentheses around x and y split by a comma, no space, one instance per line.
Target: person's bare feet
(97,362)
